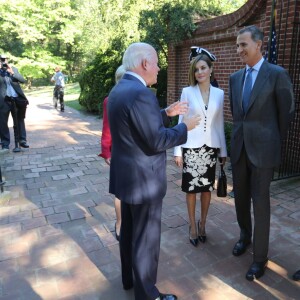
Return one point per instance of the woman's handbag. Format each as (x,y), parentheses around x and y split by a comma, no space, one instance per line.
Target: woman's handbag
(222,183)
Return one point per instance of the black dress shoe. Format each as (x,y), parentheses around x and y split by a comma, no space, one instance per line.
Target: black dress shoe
(257,269)
(166,297)
(240,247)
(296,276)
(24,145)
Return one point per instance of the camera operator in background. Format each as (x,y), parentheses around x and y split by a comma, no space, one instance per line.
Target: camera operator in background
(58,92)
(12,99)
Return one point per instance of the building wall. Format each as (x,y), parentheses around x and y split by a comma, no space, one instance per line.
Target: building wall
(218,35)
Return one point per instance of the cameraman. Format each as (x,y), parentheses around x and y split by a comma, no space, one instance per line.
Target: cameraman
(58,92)
(12,99)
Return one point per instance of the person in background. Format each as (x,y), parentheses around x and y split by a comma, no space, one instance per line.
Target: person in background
(262,105)
(198,156)
(106,149)
(14,101)
(138,166)
(58,92)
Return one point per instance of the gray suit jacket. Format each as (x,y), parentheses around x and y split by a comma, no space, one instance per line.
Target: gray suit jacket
(139,143)
(267,119)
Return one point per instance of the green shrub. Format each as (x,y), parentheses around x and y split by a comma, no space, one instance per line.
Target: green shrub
(228,130)
(97,80)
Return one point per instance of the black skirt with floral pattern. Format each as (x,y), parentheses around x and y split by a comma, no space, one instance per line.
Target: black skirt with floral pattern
(199,169)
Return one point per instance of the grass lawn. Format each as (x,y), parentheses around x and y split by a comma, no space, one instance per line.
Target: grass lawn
(72,92)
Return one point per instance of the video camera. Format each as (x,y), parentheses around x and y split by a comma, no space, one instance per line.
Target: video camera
(3,63)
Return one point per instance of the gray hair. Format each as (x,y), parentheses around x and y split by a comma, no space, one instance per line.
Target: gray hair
(135,54)
(119,73)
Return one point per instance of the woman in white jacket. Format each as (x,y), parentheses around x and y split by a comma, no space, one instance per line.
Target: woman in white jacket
(205,143)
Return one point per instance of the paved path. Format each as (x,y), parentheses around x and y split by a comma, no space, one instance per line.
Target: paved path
(56,232)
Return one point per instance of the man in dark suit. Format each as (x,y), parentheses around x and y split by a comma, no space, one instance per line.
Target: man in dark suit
(138,166)
(12,99)
(262,107)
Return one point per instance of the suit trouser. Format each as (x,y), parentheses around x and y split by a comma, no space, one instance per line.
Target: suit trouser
(139,248)
(252,182)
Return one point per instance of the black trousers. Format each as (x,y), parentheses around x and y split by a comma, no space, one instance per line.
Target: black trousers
(139,248)
(58,94)
(18,107)
(250,182)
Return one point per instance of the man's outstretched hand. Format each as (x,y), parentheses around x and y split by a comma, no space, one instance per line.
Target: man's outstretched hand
(177,108)
(191,122)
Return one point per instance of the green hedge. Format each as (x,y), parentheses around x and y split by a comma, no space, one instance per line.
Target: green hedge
(228,130)
(97,80)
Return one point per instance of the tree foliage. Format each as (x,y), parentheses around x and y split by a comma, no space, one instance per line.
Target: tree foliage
(89,37)
(97,79)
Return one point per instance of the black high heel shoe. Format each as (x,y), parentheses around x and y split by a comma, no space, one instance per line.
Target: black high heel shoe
(201,234)
(193,241)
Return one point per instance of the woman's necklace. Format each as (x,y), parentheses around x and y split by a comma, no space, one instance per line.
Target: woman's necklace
(205,97)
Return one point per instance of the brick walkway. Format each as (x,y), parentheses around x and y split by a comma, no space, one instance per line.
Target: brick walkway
(56,239)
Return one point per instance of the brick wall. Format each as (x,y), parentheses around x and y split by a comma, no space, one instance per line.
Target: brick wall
(218,35)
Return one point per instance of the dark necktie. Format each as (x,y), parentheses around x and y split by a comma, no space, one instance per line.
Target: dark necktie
(247,89)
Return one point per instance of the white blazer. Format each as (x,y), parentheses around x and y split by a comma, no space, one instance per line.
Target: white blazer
(210,131)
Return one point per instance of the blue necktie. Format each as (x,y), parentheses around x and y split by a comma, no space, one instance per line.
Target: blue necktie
(247,89)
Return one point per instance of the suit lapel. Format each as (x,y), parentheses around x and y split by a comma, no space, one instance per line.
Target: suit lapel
(198,98)
(239,86)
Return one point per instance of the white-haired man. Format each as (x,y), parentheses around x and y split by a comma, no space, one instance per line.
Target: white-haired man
(138,166)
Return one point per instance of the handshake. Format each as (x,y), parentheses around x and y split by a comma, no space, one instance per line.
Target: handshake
(180,108)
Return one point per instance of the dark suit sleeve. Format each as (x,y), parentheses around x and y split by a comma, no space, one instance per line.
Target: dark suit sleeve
(148,123)
(285,102)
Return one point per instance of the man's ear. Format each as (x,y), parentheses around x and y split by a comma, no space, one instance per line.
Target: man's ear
(259,44)
(144,64)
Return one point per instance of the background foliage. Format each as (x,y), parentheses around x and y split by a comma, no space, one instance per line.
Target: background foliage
(88,38)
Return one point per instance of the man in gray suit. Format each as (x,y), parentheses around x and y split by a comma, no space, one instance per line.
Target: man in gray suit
(262,107)
(138,166)
(12,99)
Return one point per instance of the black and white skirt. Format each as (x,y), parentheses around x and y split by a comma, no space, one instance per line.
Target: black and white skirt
(199,169)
